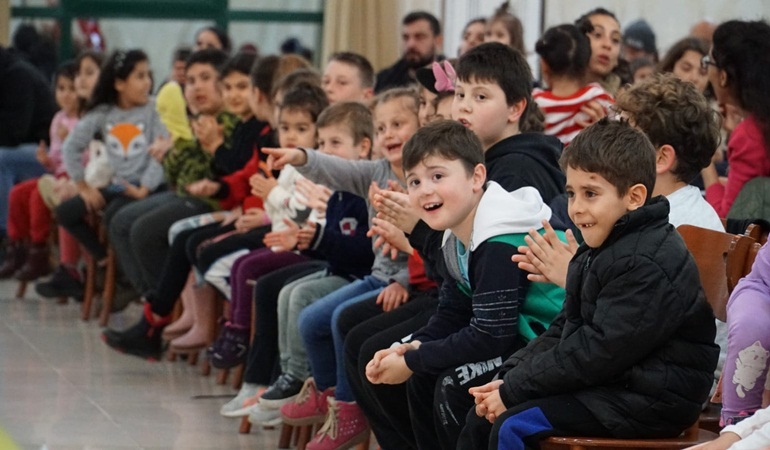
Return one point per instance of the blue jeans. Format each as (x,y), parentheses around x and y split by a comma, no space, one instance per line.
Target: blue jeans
(323,342)
(16,164)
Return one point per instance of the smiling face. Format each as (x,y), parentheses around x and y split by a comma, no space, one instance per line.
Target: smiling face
(342,83)
(296,129)
(394,124)
(688,68)
(236,94)
(135,89)
(605,46)
(337,140)
(482,107)
(85,79)
(201,90)
(445,194)
(595,205)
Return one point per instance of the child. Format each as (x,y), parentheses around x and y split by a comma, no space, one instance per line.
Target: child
(446,177)
(505,28)
(395,122)
(605,48)
(564,54)
(631,354)
(683,60)
(348,77)
(122,112)
(29,219)
(437,91)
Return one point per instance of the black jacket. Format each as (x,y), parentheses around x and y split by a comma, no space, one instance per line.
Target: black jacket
(635,340)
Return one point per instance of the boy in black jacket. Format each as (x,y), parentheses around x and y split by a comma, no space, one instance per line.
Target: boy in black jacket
(631,355)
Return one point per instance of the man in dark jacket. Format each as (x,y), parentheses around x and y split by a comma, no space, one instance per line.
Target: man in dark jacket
(631,355)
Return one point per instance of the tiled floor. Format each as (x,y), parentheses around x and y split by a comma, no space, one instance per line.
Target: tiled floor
(62,388)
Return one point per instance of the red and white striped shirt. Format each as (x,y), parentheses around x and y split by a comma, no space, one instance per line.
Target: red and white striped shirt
(562,113)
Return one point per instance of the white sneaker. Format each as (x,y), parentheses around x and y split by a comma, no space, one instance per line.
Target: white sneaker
(235,405)
(259,415)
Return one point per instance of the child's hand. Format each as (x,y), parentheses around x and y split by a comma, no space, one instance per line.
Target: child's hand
(91,197)
(279,157)
(396,209)
(252,218)
(231,216)
(592,111)
(208,131)
(160,147)
(373,368)
(480,394)
(393,370)
(129,190)
(203,188)
(42,155)
(723,442)
(261,185)
(62,132)
(390,238)
(393,296)
(306,234)
(284,240)
(545,257)
(314,196)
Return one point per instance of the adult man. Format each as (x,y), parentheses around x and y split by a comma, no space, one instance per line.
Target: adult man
(420,40)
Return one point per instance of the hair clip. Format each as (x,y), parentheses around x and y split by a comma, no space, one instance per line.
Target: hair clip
(445,77)
(120,59)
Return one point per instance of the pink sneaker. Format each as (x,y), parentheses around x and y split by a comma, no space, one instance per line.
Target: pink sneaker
(345,427)
(309,407)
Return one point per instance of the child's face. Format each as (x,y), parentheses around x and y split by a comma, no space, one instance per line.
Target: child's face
(444,192)
(66,96)
(688,68)
(177,72)
(595,206)
(444,109)
(337,140)
(236,93)
(605,45)
(426,106)
(201,90)
(496,32)
(394,124)
(296,129)
(342,83)
(482,107)
(85,79)
(473,36)
(135,89)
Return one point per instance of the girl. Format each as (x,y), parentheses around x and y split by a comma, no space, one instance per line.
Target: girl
(473,35)
(29,221)
(737,71)
(505,28)
(122,112)
(605,47)
(683,60)
(564,55)
(212,37)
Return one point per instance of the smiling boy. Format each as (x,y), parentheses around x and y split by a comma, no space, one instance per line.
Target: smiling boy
(631,355)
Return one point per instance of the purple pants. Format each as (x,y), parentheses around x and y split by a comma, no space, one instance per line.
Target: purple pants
(748,342)
(250,267)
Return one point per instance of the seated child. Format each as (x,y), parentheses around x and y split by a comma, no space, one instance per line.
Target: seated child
(631,354)
(750,434)
(348,77)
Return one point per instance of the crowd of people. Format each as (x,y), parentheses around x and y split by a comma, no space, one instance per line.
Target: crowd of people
(446,254)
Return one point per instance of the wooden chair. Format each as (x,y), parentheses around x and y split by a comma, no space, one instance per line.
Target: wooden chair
(108,290)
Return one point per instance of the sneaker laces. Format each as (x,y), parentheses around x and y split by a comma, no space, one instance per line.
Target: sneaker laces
(306,391)
(329,427)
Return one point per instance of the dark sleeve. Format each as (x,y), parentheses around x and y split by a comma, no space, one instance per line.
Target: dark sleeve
(357,246)
(17,107)
(637,310)
(498,289)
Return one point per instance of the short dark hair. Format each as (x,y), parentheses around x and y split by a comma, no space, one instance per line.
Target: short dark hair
(241,63)
(181,54)
(263,73)
(352,115)
(447,139)
(67,69)
(211,56)
(305,97)
(365,69)
(671,111)
(621,154)
(412,17)
(566,49)
(499,64)
(295,78)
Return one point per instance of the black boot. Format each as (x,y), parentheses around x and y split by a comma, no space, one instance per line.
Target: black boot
(15,255)
(142,340)
(38,263)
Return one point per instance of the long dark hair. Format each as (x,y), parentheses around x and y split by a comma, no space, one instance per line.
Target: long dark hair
(118,67)
(742,50)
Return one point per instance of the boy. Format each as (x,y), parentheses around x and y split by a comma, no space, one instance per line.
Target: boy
(631,354)
(348,77)
(446,177)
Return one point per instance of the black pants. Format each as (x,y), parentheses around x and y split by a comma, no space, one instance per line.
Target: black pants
(524,425)
(71,215)
(262,363)
(250,240)
(384,405)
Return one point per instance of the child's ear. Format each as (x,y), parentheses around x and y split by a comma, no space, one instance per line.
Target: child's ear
(366,148)
(516,110)
(479,177)
(636,197)
(665,159)
(120,85)
(368,93)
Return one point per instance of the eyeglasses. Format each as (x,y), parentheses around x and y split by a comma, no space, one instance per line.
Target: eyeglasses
(707,61)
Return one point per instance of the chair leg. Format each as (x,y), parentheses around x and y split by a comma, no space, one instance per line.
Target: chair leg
(364,445)
(21,289)
(284,441)
(222,375)
(109,288)
(88,295)
(205,367)
(245,427)
(304,435)
(237,380)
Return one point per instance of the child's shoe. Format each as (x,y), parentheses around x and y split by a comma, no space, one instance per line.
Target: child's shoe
(65,282)
(345,427)
(266,417)
(230,348)
(282,391)
(309,407)
(15,255)
(142,340)
(38,263)
(238,403)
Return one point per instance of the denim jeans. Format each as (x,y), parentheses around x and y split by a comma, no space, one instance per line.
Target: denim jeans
(16,164)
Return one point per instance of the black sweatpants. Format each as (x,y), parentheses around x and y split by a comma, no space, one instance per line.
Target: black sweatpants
(262,362)
(524,425)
